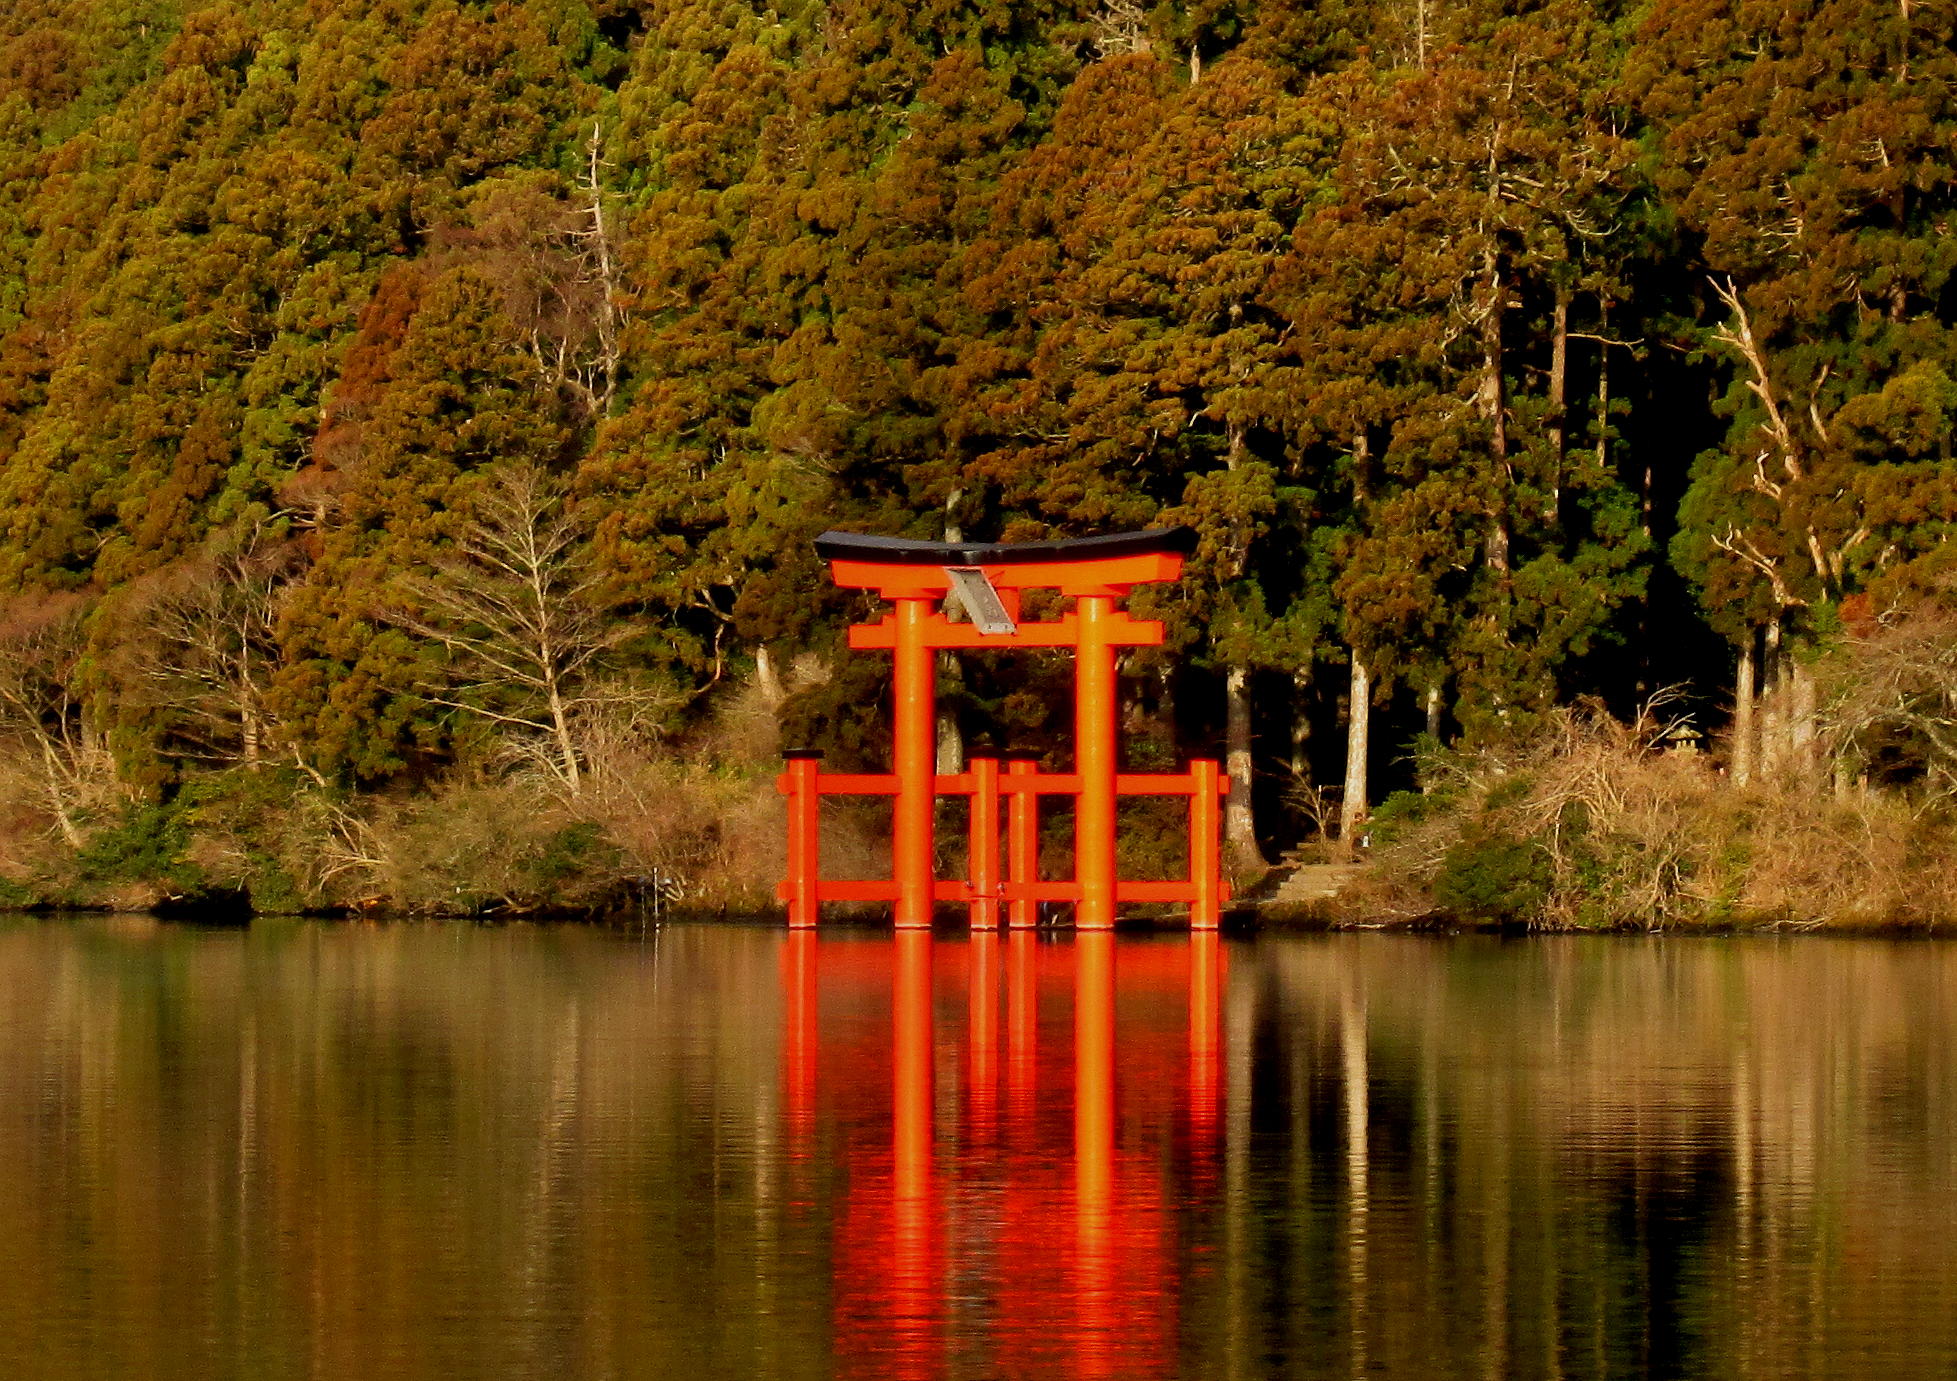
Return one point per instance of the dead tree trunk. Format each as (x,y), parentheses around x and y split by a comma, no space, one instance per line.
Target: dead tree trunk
(1300,725)
(1559,389)
(1490,399)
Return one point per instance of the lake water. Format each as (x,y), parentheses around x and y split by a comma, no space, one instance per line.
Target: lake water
(346,1150)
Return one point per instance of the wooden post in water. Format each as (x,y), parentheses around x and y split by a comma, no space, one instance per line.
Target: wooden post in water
(1022,842)
(984,842)
(799,783)
(914,757)
(1094,764)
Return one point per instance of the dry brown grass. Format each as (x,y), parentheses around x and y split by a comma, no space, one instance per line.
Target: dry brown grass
(704,811)
(1622,830)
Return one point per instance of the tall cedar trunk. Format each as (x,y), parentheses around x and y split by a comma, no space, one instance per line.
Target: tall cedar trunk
(1644,497)
(1801,709)
(1359,698)
(1559,389)
(1772,758)
(1494,412)
(951,734)
(1431,702)
(1358,723)
(1300,726)
(1745,737)
(766,678)
(1239,825)
(951,744)
(1603,411)
(1239,816)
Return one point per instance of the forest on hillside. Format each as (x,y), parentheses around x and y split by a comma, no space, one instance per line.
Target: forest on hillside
(414,419)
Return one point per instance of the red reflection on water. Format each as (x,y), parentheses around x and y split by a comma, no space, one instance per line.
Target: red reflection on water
(887,1255)
(1205,1100)
(798,1038)
(982,1047)
(1046,1234)
(1022,1033)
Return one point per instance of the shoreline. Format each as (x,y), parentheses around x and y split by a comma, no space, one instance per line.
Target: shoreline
(1272,915)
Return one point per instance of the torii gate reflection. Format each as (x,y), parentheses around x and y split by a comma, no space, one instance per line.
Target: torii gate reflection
(972,1205)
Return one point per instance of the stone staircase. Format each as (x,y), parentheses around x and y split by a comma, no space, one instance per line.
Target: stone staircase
(1314,882)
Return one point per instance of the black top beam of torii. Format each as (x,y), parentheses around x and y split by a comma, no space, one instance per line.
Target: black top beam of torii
(904,551)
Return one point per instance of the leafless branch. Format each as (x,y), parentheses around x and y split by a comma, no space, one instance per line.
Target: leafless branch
(516,609)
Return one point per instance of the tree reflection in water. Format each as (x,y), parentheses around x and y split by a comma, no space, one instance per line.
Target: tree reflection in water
(414,1152)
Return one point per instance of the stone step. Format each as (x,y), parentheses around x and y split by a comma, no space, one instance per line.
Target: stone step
(1311,882)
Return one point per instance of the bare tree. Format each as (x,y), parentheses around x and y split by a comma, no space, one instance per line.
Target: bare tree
(208,647)
(515,608)
(58,754)
(1120,27)
(1892,698)
(596,377)
(555,261)
(1785,724)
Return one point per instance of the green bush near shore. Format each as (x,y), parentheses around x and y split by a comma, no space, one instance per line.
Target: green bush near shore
(1491,877)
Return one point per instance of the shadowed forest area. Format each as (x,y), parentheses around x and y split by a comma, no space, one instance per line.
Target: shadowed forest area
(414,419)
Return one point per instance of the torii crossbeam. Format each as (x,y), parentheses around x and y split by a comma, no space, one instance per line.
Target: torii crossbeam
(988,580)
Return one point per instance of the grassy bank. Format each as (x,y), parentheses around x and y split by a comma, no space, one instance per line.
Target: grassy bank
(1588,824)
(1595,824)
(697,820)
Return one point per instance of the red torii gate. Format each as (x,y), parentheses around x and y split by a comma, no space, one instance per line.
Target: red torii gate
(989,579)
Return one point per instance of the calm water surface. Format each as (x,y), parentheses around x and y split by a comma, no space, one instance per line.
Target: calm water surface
(442,1151)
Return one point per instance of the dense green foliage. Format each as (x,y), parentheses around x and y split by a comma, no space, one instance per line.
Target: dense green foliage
(1528,351)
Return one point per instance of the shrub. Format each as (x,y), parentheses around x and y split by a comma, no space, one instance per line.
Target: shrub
(147,844)
(1492,877)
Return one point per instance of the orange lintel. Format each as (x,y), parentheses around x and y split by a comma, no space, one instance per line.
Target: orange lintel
(1039,891)
(1040,784)
(1163,784)
(1108,575)
(940,631)
(857,784)
(1165,891)
(1128,890)
(856,889)
(877,889)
